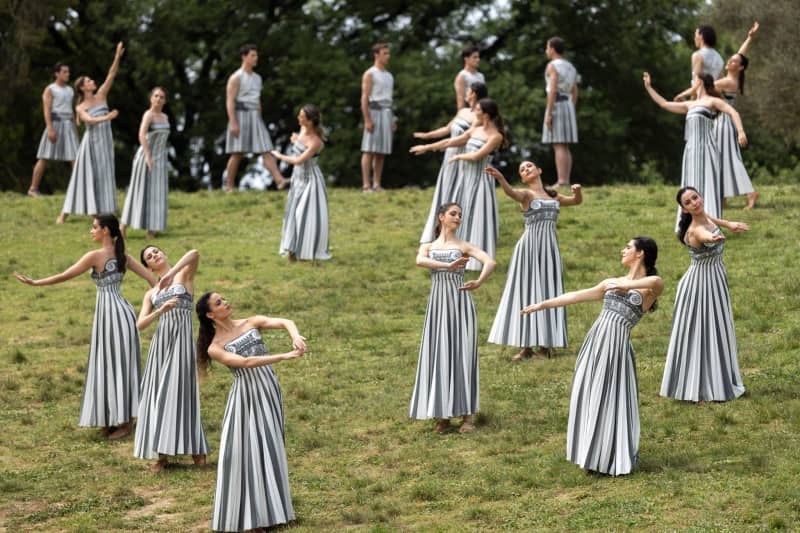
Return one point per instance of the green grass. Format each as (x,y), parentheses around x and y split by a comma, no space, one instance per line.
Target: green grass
(356,460)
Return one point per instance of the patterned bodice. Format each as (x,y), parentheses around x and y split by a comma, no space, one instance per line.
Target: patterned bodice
(184,297)
(446,256)
(624,307)
(542,210)
(473,145)
(297,149)
(248,344)
(110,278)
(709,252)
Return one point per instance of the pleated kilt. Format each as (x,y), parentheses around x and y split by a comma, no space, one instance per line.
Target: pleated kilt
(565,126)
(379,141)
(253,135)
(66,146)
(735,180)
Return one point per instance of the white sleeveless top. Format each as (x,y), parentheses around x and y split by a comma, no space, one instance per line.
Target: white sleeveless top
(468,78)
(382,85)
(712,62)
(249,87)
(567,76)
(62,99)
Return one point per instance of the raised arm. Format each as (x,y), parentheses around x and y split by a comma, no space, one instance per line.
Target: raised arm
(83,264)
(265,322)
(518,195)
(674,107)
(231,90)
(575,199)
(311,150)
(746,44)
(568,298)
(102,91)
(366,89)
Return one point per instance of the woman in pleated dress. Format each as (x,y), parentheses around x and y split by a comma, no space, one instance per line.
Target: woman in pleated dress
(702,360)
(735,180)
(169,420)
(92,185)
(480,222)
(701,168)
(535,270)
(111,391)
(252,476)
(447,383)
(146,202)
(448,185)
(603,427)
(304,234)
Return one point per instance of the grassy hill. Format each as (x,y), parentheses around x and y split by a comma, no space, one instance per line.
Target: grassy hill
(356,460)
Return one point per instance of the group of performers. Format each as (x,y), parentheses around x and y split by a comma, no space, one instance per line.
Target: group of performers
(460,234)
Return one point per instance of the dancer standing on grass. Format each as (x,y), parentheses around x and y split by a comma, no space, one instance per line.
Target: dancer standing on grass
(246,130)
(701,154)
(480,224)
(169,420)
(447,383)
(111,390)
(471,56)
(535,272)
(60,138)
(603,427)
(377,88)
(560,126)
(92,186)
(702,362)
(706,60)
(735,180)
(449,185)
(252,477)
(304,234)
(146,201)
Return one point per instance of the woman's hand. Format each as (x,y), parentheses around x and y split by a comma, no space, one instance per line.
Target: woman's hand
(294,354)
(293,138)
(418,149)
(166,281)
(493,172)
(113,114)
(457,157)
(25,279)
(530,309)
(299,343)
(458,263)
(470,285)
(575,188)
(168,305)
(646,79)
(548,120)
(738,227)
(742,138)
(752,30)
(149,163)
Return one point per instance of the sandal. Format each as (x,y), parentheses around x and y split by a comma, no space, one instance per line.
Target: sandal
(441,426)
(199,460)
(121,431)
(159,466)
(525,353)
(467,426)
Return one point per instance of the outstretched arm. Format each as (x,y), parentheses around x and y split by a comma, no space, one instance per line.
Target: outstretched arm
(137,268)
(491,144)
(310,151)
(736,227)
(233,360)
(575,199)
(568,298)
(746,44)
(461,140)
(518,195)
(102,91)
(674,107)
(86,118)
(438,133)
(265,322)
(83,264)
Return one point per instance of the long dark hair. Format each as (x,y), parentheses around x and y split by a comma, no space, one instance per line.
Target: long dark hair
(442,209)
(686,218)
(479,89)
(205,333)
(109,220)
(650,249)
(708,85)
(489,107)
(141,254)
(744,62)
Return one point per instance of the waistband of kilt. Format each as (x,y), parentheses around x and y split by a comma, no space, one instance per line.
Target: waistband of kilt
(380,104)
(246,106)
(61,117)
(561,97)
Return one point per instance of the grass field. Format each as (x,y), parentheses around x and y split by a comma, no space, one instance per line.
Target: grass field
(356,460)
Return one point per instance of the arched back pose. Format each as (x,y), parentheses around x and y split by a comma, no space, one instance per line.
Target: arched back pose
(146,202)
(111,390)
(706,60)
(92,186)
(377,89)
(480,224)
(535,270)
(560,127)
(603,427)
(449,186)
(447,383)
(59,140)
(735,180)
(471,56)
(702,362)
(252,476)
(169,420)
(701,155)
(305,220)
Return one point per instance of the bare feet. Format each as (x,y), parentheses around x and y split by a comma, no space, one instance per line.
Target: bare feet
(284,183)
(61,218)
(160,465)
(378,188)
(34,193)
(199,459)
(442,425)
(543,353)
(467,426)
(525,353)
(367,189)
(105,432)
(121,431)
(150,235)
(751,200)
(292,257)
(561,184)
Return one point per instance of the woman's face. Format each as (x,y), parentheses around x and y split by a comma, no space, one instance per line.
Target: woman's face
(154,257)
(529,172)
(218,307)
(98,232)
(479,114)
(630,254)
(734,63)
(302,119)
(451,218)
(158,98)
(88,86)
(470,97)
(692,202)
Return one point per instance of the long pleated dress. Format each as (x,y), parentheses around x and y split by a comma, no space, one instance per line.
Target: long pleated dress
(447,383)
(534,275)
(735,180)
(603,427)
(111,390)
(701,160)
(448,184)
(169,412)
(146,202)
(305,219)
(253,474)
(702,362)
(479,221)
(92,185)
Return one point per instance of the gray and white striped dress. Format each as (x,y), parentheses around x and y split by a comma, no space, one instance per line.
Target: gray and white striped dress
(702,362)
(253,474)
(146,202)
(66,146)
(92,186)
(479,221)
(305,219)
(603,427)
(735,180)
(701,160)
(534,275)
(379,141)
(447,383)
(448,185)
(565,126)
(169,411)
(253,135)
(111,390)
